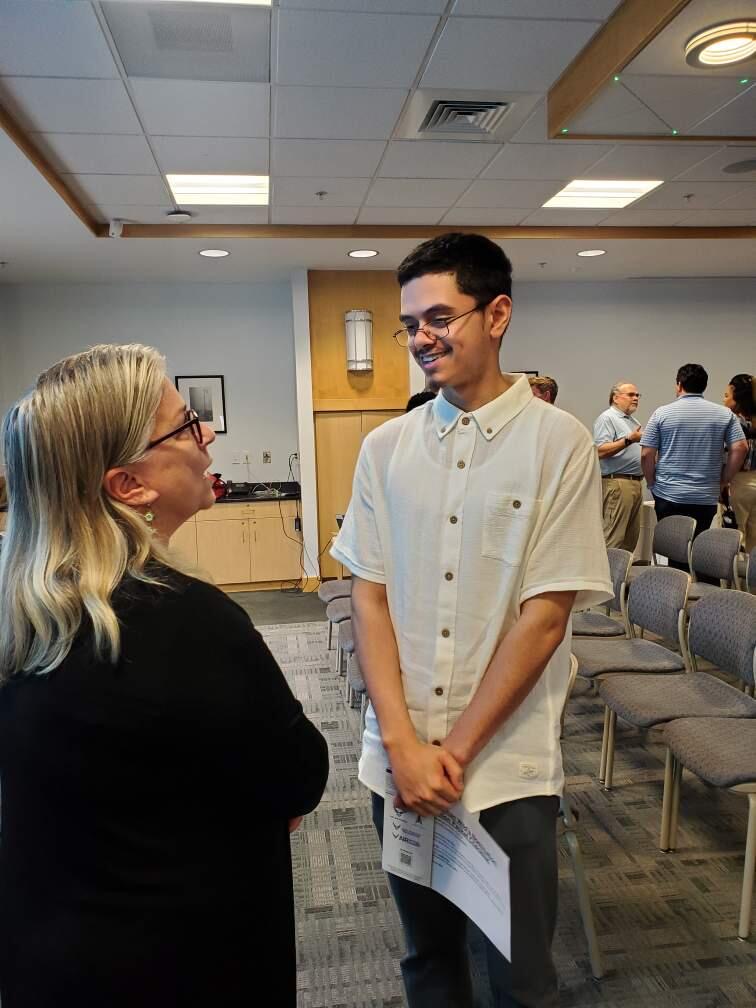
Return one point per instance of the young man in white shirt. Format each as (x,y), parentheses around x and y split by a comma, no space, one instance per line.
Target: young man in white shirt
(474,526)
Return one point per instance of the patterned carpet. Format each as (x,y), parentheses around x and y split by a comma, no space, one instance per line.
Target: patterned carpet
(666,923)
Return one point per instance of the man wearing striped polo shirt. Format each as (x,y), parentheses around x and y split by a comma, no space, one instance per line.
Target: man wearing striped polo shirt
(683,451)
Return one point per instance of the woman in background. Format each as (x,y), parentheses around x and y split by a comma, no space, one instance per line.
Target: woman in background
(740,397)
(152,756)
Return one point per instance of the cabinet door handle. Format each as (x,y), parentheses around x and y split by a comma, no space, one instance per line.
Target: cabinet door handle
(243,526)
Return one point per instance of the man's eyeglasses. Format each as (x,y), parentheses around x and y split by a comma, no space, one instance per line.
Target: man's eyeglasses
(192,422)
(435,330)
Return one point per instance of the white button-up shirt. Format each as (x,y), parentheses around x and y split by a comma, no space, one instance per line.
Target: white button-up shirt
(465,516)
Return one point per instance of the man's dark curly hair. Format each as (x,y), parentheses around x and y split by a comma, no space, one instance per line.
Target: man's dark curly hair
(481,268)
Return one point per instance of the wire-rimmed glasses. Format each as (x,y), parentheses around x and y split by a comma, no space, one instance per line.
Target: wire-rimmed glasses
(435,330)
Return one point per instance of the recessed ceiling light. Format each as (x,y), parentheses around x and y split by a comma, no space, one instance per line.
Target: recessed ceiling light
(722,45)
(363,253)
(220,190)
(608,193)
(178,215)
(214,253)
(738,167)
(590,253)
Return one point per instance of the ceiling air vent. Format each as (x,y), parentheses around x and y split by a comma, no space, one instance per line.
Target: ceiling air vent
(472,116)
(467,118)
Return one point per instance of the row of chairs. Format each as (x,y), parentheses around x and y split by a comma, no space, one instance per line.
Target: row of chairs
(337,596)
(709,725)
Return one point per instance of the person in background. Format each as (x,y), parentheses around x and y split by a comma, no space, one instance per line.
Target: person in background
(152,756)
(420,399)
(740,397)
(616,434)
(683,451)
(544,388)
(461,601)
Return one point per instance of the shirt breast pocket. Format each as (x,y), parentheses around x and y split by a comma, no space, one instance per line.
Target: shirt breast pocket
(508,520)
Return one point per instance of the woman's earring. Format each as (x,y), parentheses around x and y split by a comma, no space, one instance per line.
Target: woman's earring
(149,517)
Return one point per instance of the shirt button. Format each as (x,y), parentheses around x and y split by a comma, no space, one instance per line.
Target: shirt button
(516,504)
(453,519)
(439,691)
(460,464)
(435,742)
(466,420)
(489,430)
(449,576)
(445,632)
(443,430)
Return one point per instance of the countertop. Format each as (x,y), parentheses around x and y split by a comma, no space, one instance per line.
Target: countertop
(255,498)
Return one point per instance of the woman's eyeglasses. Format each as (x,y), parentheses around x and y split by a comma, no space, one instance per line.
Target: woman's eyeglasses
(192,422)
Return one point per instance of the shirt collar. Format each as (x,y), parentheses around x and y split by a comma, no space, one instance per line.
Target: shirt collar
(491,417)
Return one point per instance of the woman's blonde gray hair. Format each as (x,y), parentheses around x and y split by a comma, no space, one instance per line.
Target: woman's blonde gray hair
(68,544)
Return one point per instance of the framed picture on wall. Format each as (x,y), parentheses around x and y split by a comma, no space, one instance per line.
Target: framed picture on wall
(206,395)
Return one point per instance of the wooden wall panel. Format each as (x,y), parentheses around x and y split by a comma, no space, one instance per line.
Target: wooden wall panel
(332,293)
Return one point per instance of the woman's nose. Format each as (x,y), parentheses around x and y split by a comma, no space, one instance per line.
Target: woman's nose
(208,434)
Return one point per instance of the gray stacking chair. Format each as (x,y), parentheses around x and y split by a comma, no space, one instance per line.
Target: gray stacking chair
(337,611)
(723,630)
(656,602)
(721,752)
(672,539)
(596,624)
(714,553)
(356,689)
(328,592)
(344,646)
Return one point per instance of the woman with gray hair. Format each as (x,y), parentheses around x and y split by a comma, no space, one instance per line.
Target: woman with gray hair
(145,825)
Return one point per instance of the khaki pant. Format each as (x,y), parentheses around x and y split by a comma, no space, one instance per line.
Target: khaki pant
(622,504)
(743,500)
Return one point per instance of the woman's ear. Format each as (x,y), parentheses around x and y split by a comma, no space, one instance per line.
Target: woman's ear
(124,487)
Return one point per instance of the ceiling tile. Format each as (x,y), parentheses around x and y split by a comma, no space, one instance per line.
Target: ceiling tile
(358,50)
(208,42)
(615,110)
(57,105)
(479,217)
(333,158)
(71,45)
(202,108)
(338,113)
(742,199)
(736,119)
(301,192)
(205,155)
(513,195)
(703,195)
(142,190)
(551,217)
(420,159)
(369,6)
(415,192)
(515,55)
(544,161)
(647,161)
(711,169)
(399,215)
(91,153)
(720,218)
(595,10)
(535,128)
(683,101)
(313,215)
(642,218)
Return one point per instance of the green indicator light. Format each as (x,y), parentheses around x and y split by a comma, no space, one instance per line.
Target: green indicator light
(565,131)
(674,132)
(744,80)
(616,77)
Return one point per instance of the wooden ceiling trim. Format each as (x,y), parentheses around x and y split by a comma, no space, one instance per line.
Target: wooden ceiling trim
(633,25)
(46,170)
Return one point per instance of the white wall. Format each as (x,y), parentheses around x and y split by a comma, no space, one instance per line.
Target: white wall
(242,331)
(589,335)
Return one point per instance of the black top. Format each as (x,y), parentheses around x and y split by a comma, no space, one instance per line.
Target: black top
(160,787)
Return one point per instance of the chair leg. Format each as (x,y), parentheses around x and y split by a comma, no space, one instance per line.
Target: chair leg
(609,769)
(330,635)
(581,885)
(363,711)
(604,741)
(670,768)
(675,810)
(746,896)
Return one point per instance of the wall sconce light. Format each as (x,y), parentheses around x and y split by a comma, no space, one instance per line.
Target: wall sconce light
(359,339)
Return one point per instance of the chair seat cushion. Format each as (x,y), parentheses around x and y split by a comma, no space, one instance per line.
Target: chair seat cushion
(647,700)
(330,590)
(598,657)
(595,624)
(698,589)
(338,610)
(346,638)
(721,751)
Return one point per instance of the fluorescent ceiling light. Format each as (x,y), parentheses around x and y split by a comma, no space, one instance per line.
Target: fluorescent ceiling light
(220,190)
(590,253)
(722,45)
(362,253)
(214,253)
(608,193)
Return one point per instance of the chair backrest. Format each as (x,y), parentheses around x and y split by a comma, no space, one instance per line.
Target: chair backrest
(673,536)
(723,630)
(751,572)
(656,599)
(713,553)
(619,565)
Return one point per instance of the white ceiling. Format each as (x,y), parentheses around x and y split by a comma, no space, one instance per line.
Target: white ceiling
(341,72)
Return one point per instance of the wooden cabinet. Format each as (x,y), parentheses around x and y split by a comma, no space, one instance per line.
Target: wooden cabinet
(277,550)
(223,550)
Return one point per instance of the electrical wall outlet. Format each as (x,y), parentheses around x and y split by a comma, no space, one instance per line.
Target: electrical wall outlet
(266,456)
(236,459)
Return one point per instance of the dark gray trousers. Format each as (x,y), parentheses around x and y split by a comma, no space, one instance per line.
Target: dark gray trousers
(436,969)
